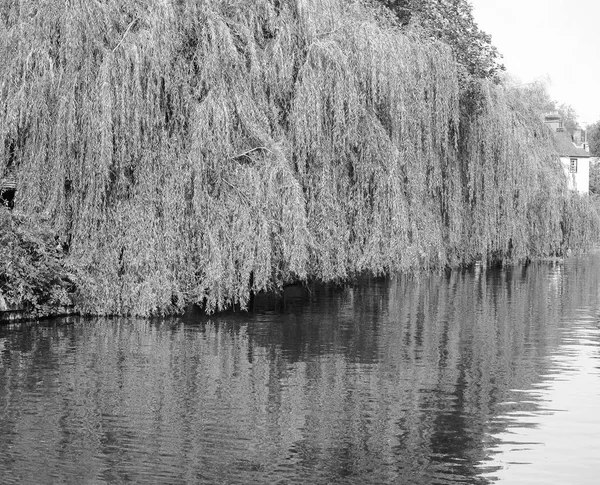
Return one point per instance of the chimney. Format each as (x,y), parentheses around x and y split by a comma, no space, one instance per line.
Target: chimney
(554,121)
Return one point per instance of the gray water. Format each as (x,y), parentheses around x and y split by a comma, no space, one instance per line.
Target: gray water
(474,377)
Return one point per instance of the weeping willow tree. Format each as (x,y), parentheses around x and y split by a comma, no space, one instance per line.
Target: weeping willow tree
(199,151)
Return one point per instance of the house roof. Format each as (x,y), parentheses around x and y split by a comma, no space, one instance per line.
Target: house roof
(565,148)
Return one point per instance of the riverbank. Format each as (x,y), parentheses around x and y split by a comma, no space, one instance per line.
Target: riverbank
(15,313)
(290,297)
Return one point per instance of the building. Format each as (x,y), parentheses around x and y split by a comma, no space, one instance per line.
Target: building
(574,153)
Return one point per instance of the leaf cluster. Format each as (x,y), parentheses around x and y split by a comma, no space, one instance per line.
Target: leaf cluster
(452,22)
(32,271)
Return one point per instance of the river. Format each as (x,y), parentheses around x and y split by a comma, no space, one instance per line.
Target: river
(472,377)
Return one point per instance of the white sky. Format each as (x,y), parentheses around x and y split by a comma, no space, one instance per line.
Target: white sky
(554,39)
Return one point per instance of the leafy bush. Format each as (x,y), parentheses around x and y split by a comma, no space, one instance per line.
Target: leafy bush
(32,274)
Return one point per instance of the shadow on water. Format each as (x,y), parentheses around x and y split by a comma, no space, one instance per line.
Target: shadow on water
(400,381)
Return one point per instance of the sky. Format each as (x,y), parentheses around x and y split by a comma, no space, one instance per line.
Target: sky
(555,40)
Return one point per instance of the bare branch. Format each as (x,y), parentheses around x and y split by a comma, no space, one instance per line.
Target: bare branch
(125,34)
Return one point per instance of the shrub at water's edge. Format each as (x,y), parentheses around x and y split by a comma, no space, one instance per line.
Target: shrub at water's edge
(33,276)
(195,152)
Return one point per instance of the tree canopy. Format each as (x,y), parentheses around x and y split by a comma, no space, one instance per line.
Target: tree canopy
(569,116)
(537,96)
(593,134)
(452,22)
(593,138)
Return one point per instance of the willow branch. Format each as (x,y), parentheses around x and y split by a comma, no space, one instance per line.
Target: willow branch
(125,34)
(247,152)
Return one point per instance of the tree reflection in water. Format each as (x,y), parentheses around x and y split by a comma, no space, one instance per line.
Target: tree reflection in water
(413,380)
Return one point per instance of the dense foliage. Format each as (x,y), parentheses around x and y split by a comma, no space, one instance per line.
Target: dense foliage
(594,176)
(198,151)
(593,133)
(452,22)
(537,96)
(32,270)
(593,139)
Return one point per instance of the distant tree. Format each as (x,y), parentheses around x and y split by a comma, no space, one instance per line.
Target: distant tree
(535,94)
(595,177)
(569,117)
(452,22)
(593,135)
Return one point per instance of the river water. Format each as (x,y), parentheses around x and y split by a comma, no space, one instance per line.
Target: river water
(473,377)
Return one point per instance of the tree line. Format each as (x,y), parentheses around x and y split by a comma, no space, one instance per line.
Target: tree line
(202,151)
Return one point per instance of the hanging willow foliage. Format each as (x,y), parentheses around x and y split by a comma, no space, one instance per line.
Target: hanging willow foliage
(196,151)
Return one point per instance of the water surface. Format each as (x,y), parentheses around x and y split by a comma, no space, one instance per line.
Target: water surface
(473,377)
